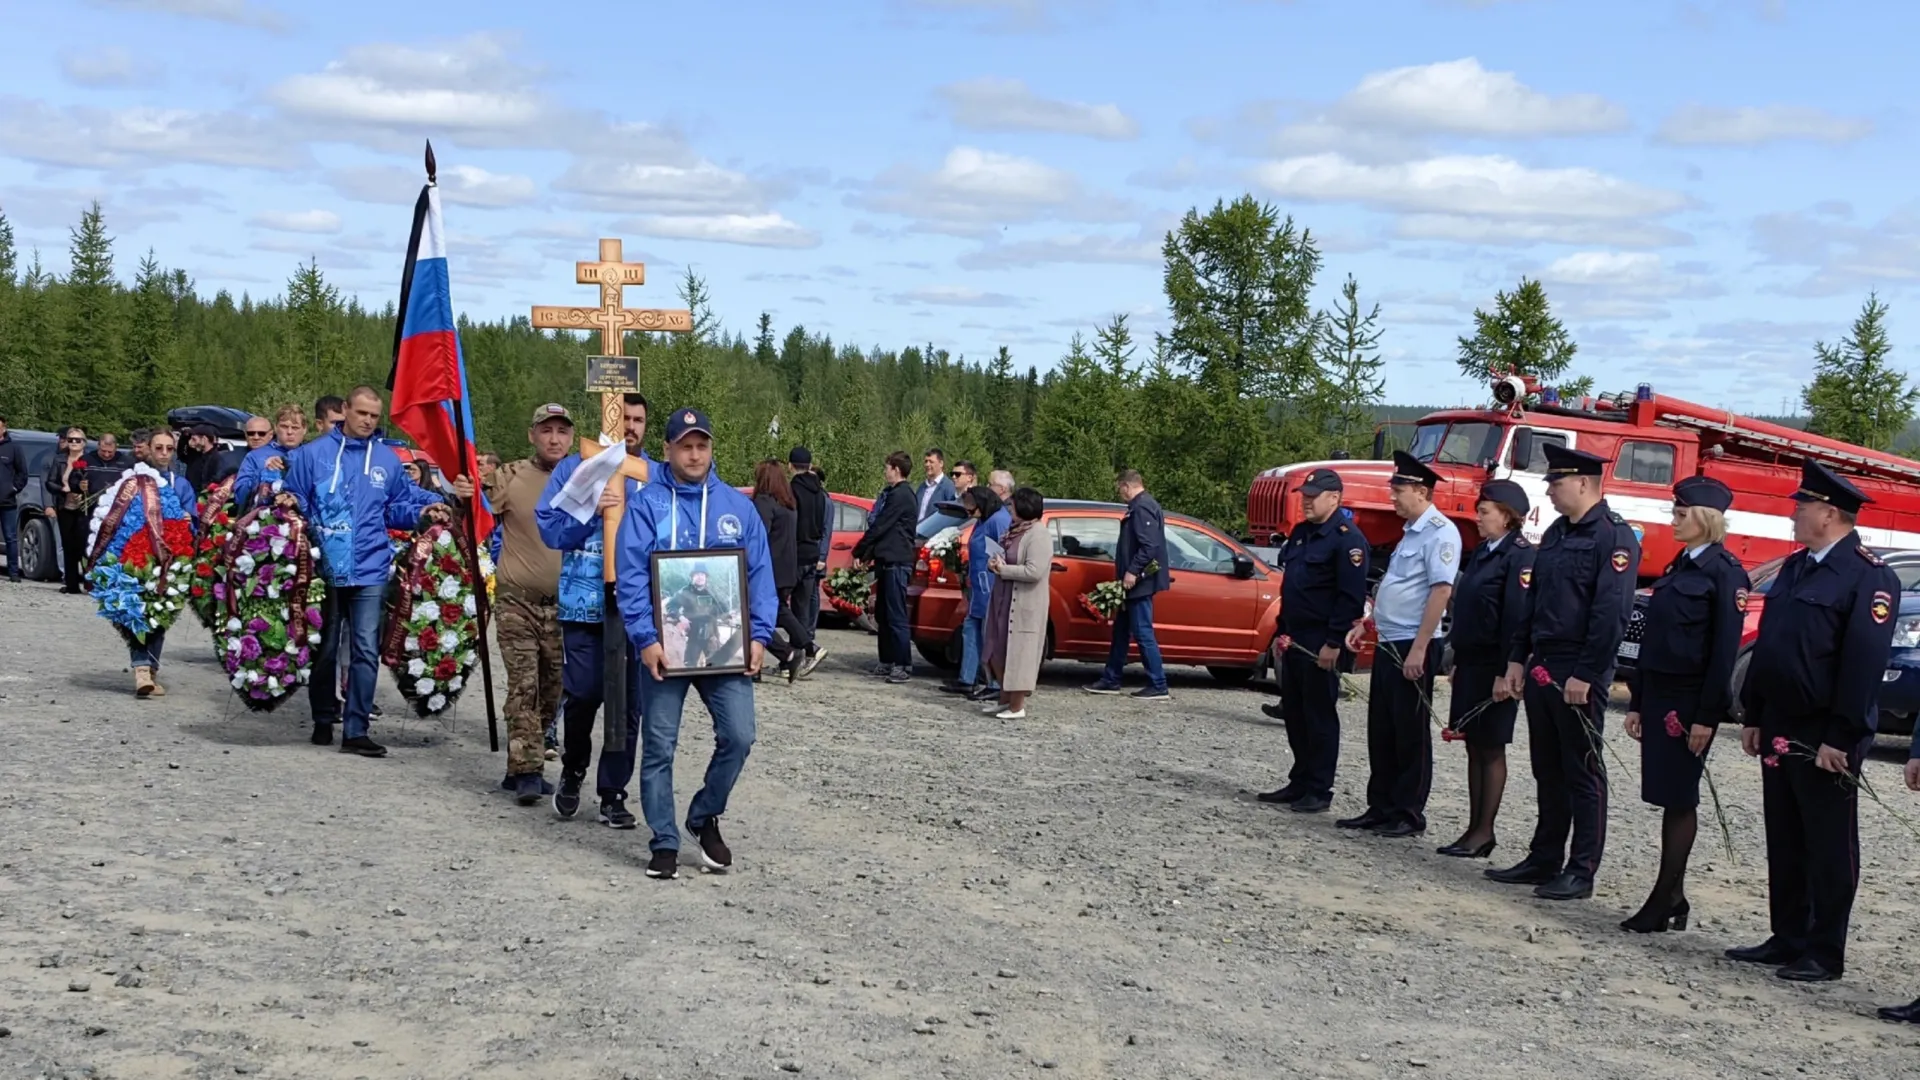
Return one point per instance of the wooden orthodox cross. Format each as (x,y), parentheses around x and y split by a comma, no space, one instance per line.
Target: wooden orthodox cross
(612,319)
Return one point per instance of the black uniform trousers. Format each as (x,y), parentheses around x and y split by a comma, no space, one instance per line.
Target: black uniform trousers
(1569,770)
(1813,854)
(1400,735)
(1309,697)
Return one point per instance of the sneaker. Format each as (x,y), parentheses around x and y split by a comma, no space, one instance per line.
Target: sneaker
(322,733)
(1148,693)
(374,712)
(715,856)
(811,662)
(363,746)
(984,693)
(879,671)
(1102,687)
(613,813)
(900,675)
(566,801)
(954,686)
(665,865)
(530,788)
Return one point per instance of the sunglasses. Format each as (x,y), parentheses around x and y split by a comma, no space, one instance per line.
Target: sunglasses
(81,442)
(258,434)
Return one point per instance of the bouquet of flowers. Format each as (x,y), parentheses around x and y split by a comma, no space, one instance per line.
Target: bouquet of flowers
(271,602)
(207,593)
(850,592)
(1108,597)
(140,549)
(433,630)
(952,554)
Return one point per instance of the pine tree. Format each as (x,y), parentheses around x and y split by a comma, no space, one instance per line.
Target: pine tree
(1521,336)
(158,374)
(1856,395)
(92,334)
(1351,379)
(1003,408)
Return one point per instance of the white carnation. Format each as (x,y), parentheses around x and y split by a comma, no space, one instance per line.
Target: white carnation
(449,588)
(445,539)
(424,686)
(412,643)
(233,626)
(305,674)
(254,676)
(273,685)
(233,644)
(313,638)
(454,684)
(313,552)
(416,667)
(292,647)
(449,641)
(278,547)
(273,592)
(436,703)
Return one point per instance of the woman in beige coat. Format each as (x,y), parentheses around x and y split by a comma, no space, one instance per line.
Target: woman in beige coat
(1017,621)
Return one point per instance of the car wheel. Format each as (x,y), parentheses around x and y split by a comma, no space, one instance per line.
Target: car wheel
(1738,712)
(944,657)
(1231,676)
(38,558)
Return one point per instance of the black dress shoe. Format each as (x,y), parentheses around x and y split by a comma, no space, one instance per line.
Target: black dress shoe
(1287,794)
(1807,969)
(1272,709)
(1372,819)
(1902,1014)
(1568,886)
(1400,830)
(952,686)
(1459,850)
(1525,872)
(1311,804)
(1769,952)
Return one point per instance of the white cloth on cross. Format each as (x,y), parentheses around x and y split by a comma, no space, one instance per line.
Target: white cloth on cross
(580,497)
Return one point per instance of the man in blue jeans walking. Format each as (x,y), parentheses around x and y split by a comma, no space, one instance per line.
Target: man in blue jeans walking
(687,508)
(1140,564)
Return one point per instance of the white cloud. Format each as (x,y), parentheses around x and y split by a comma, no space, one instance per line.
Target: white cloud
(1482,186)
(754,230)
(956,296)
(1518,233)
(233,12)
(300,221)
(1461,97)
(91,138)
(1074,248)
(1597,285)
(699,187)
(1751,125)
(108,65)
(995,104)
(975,191)
(461,185)
(1841,257)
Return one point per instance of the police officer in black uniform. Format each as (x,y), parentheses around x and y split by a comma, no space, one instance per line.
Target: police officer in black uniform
(1489,611)
(1323,594)
(1683,685)
(1583,580)
(1825,636)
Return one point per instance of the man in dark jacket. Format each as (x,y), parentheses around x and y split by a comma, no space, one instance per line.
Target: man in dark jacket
(889,546)
(205,459)
(812,533)
(13,478)
(104,467)
(1140,565)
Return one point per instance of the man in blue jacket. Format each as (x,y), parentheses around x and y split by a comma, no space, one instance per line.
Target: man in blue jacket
(350,487)
(582,616)
(936,488)
(265,465)
(687,508)
(1140,564)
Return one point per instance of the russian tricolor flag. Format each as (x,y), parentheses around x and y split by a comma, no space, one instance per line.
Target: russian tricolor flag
(429,378)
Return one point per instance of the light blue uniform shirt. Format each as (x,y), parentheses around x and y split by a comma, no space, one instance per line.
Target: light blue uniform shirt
(1428,555)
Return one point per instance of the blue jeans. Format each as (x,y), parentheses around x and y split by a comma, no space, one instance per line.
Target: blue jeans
(890,612)
(970,667)
(729,699)
(147,655)
(10,533)
(1136,623)
(583,677)
(353,610)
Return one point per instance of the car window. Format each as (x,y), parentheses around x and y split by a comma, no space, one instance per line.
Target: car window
(1537,460)
(849,518)
(1645,463)
(35,455)
(1762,577)
(1906,567)
(1086,537)
(1195,551)
(938,521)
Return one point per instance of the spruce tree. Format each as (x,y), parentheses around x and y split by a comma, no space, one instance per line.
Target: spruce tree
(158,374)
(1003,408)
(92,334)
(1352,382)
(1856,395)
(1520,335)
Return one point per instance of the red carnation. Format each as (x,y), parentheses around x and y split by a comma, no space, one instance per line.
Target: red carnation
(446,669)
(451,614)
(198,591)
(1673,725)
(1780,745)
(429,639)
(1286,642)
(1771,760)
(1541,676)
(203,570)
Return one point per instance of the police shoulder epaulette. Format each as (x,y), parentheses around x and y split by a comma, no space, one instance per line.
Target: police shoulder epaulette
(1343,528)
(1520,541)
(1614,516)
(1872,559)
(1733,559)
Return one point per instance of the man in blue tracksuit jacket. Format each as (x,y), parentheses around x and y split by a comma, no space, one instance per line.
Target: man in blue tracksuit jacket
(688,508)
(582,614)
(265,465)
(350,487)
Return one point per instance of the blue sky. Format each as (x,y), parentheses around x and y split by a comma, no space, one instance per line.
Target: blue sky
(1705,186)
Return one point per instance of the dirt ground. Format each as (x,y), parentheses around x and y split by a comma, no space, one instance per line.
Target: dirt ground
(190,890)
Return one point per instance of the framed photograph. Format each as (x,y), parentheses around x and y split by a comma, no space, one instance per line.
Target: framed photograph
(700,610)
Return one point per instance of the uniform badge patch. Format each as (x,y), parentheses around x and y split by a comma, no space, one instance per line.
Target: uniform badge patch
(1356,556)
(1526,578)
(728,526)
(1740,600)
(1446,555)
(1882,607)
(1621,559)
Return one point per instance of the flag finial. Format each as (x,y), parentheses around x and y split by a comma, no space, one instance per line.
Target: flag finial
(430,166)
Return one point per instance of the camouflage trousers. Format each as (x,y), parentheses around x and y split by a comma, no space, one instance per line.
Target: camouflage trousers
(529,634)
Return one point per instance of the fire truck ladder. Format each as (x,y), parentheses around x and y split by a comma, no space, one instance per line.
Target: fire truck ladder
(1861,462)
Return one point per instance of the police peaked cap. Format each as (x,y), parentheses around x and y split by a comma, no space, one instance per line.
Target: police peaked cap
(1321,481)
(1507,494)
(1408,469)
(1702,491)
(1564,462)
(1820,484)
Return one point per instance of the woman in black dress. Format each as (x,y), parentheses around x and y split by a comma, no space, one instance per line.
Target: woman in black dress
(773,498)
(1682,687)
(1489,607)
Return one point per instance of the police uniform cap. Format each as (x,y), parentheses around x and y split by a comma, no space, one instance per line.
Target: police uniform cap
(1507,494)
(1321,481)
(1820,484)
(1564,462)
(1408,469)
(1703,491)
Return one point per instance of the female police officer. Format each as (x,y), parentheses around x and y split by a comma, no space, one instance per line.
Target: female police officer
(1682,688)
(1489,605)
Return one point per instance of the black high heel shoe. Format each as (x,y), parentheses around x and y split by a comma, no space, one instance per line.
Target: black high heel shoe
(1459,850)
(1648,921)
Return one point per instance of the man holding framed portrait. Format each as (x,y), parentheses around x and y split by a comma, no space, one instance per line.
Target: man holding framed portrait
(694,578)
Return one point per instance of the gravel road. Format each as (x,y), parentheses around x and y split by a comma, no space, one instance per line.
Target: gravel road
(189,890)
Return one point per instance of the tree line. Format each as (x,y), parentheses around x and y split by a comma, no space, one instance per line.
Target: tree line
(1247,375)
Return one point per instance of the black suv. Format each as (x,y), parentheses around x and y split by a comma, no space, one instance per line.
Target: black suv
(39,537)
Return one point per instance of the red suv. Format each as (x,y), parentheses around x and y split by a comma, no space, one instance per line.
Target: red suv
(1219,613)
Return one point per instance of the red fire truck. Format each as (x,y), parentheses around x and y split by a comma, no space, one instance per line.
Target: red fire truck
(1651,441)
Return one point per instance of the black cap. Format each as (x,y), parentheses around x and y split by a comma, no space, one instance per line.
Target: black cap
(684,421)
(207,431)
(1702,491)
(800,455)
(1819,484)
(1321,481)
(1507,494)
(1408,469)
(1564,462)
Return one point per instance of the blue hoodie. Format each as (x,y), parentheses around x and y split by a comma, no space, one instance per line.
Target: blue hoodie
(254,472)
(731,522)
(582,570)
(352,491)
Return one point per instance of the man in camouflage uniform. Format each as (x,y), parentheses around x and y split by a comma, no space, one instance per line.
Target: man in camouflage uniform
(700,609)
(526,603)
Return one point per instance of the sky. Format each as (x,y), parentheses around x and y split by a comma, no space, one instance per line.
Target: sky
(1706,187)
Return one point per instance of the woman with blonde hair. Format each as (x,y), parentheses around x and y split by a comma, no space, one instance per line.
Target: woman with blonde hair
(1683,685)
